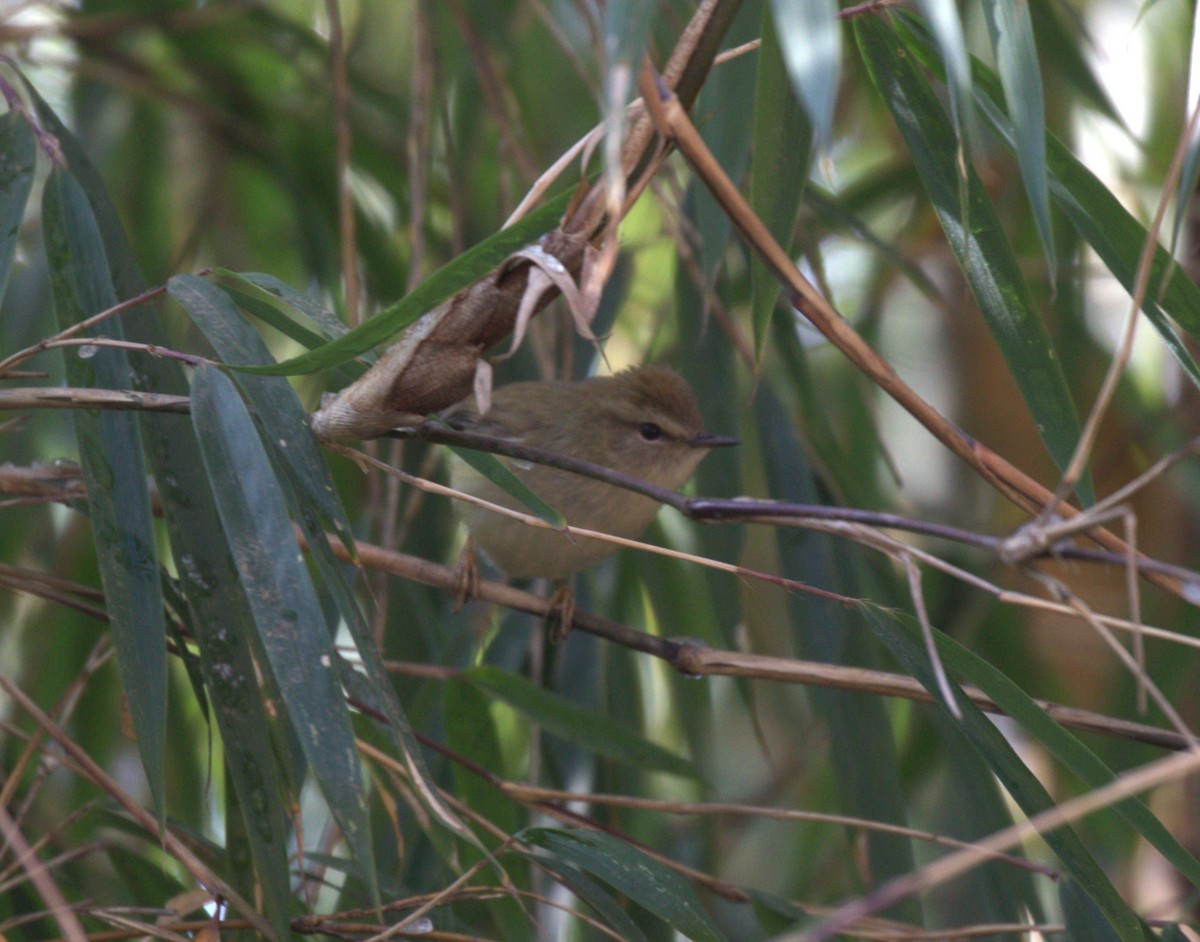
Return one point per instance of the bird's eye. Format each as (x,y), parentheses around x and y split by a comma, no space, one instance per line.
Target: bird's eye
(650,432)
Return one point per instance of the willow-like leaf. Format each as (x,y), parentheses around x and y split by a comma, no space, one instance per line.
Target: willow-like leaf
(782,153)
(808,33)
(17,156)
(983,249)
(1017,63)
(584,728)
(1100,219)
(110,452)
(644,880)
(287,614)
(903,637)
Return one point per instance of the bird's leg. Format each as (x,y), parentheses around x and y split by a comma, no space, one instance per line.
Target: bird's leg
(466,575)
(560,612)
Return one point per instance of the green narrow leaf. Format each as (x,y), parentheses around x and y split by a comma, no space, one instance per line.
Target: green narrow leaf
(1017,62)
(1067,749)
(584,728)
(110,451)
(983,251)
(726,129)
(840,464)
(294,315)
(1061,44)
(220,618)
(498,473)
(779,167)
(258,797)
(808,34)
(1085,923)
(644,880)
(597,897)
(1103,222)
(287,613)
(471,731)
(311,495)
(902,635)
(446,281)
(269,313)
(946,26)
(277,410)
(18,153)
(324,320)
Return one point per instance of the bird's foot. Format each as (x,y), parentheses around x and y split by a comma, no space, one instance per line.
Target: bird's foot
(560,612)
(466,576)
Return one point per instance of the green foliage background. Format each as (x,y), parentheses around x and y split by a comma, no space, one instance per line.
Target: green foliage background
(318,740)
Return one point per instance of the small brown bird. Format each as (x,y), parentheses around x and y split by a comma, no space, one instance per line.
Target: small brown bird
(644,422)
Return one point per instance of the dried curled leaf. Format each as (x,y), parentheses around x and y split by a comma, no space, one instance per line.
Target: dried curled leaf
(433,364)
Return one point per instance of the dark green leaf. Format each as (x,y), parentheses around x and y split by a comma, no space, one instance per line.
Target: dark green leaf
(902,635)
(863,748)
(220,618)
(1067,749)
(1085,923)
(585,728)
(779,167)
(726,130)
(309,491)
(596,896)
(498,473)
(471,731)
(287,614)
(982,250)
(656,888)
(277,410)
(1017,62)
(110,451)
(324,320)
(17,155)
(809,36)
(1105,225)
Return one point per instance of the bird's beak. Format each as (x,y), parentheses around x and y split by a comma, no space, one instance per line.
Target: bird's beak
(705,440)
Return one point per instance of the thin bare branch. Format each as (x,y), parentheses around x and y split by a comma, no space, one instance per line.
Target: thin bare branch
(88,322)
(65,397)
(41,879)
(172,844)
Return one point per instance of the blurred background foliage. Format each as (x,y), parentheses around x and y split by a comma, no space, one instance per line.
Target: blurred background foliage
(214,129)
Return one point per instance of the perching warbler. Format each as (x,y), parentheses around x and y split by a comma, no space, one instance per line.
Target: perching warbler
(643,422)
